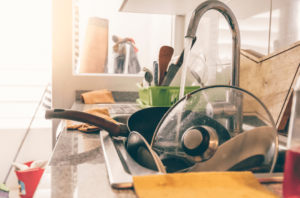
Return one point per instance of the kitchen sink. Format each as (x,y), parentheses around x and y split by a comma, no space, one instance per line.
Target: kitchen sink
(121,167)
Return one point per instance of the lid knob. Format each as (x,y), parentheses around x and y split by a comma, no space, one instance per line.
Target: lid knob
(195,141)
(199,143)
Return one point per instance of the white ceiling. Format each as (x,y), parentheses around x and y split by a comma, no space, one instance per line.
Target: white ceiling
(172,7)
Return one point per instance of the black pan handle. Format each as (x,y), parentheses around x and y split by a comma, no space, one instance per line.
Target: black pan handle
(113,128)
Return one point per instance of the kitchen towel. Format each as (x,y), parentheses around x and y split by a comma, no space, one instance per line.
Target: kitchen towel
(201,184)
(100,112)
(101,96)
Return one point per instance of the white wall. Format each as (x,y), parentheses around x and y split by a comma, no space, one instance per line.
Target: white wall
(25,70)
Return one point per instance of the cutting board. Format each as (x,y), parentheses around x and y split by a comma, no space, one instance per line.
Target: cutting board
(271,78)
(95,47)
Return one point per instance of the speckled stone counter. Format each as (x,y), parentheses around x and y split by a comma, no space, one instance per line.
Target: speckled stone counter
(77,168)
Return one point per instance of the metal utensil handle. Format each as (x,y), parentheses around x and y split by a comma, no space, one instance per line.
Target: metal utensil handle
(113,128)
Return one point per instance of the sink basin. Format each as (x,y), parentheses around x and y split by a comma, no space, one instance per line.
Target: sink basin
(121,167)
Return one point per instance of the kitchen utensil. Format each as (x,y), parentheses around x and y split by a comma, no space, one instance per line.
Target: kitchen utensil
(148,75)
(136,122)
(144,121)
(156,73)
(165,55)
(254,148)
(174,68)
(196,63)
(197,77)
(170,74)
(141,152)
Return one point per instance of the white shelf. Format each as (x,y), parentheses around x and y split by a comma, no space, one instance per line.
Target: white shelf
(172,7)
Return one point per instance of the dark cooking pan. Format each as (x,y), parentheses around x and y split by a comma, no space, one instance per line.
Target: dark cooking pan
(144,121)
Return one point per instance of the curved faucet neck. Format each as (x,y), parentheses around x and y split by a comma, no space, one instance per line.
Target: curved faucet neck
(229,16)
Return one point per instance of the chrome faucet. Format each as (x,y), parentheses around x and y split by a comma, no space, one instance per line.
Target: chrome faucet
(232,107)
(229,16)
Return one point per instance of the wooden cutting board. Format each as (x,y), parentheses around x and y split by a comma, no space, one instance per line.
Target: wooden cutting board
(95,47)
(271,78)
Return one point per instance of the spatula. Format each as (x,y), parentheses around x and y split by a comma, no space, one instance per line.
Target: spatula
(165,55)
(174,68)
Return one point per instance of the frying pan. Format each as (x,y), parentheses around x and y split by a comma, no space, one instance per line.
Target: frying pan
(144,121)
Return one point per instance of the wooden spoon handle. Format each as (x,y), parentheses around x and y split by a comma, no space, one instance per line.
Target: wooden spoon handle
(165,55)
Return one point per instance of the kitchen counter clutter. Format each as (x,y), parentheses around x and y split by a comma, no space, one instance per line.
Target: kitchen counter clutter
(77,167)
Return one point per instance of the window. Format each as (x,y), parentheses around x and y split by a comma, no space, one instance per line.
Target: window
(95,51)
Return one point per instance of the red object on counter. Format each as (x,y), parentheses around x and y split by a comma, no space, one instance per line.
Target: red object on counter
(29,180)
(291,180)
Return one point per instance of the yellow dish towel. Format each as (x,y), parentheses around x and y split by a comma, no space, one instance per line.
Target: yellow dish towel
(202,185)
(100,96)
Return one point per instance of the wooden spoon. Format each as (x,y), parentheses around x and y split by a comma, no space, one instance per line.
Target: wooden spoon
(165,55)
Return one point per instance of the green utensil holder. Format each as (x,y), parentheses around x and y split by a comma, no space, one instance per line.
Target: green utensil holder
(160,96)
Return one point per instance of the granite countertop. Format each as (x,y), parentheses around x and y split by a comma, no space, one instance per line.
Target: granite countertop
(77,168)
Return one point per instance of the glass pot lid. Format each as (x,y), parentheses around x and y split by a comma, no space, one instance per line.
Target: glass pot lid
(217,128)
